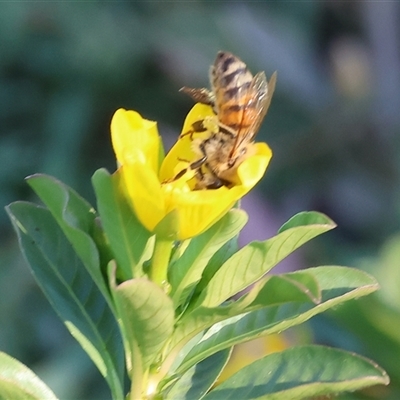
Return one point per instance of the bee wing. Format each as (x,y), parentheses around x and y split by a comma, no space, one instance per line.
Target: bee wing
(259,96)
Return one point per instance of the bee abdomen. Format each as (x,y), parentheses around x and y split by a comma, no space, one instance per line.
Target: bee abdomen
(238,115)
(235,95)
(231,107)
(234,91)
(229,78)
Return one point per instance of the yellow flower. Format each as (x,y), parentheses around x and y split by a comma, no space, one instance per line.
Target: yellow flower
(152,191)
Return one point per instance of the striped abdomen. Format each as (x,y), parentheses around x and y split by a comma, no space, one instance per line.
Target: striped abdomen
(232,86)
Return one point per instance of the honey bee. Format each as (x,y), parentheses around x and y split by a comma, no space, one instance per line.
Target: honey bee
(240,102)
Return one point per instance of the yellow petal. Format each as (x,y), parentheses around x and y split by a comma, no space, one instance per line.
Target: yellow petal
(154,196)
(199,209)
(132,136)
(182,150)
(144,192)
(251,170)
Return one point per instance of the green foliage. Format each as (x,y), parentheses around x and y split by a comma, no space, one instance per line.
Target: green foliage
(18,382)
(241,270)
(196,381)
(71,291)
(186,271)
(376,319)
(176,343)
(300,373)
(256,259)
(292,307)
(76,218)
(147,318)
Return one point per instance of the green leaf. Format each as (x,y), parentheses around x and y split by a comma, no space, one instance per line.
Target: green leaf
(126,235)
(18,382)
(370,322)
(300,373)
(299,286)
(76,218)
(186,272)
(256,259)
(264,293)
(195,383)
(147,316)
(223,254)
(70,289)
(337,285)
(307,218)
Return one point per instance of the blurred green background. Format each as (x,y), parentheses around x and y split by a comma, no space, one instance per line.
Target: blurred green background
(333,125)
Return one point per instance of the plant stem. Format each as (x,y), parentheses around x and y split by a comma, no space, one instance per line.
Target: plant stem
(160,260)
(136,375)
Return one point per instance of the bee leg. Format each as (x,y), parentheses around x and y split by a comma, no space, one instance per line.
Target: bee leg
(203,96)
(216,184)
(198,163)
(205,182)
(195,165)
(179,175)
(183,160)
(197,127)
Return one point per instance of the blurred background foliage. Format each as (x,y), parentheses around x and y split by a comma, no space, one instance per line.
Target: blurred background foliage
(65,67)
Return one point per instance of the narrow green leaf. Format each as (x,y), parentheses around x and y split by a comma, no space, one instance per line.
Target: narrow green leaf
(256,259)
(70,289)
(179,357)
(270,291)
(299,286)
(197,381)
(186,272)
(147,315)
(372,322)
(222,255)
(76,218)
(337,285)
(18,382)
(307,218)
(299,373)
(127,236)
